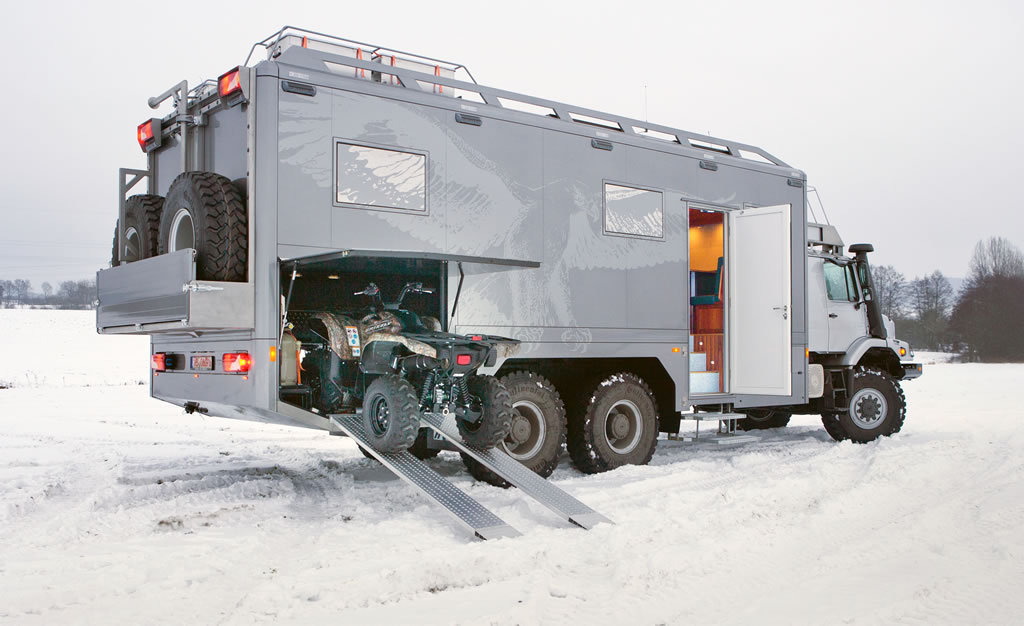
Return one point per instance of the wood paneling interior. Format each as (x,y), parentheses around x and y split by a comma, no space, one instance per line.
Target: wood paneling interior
(710,344)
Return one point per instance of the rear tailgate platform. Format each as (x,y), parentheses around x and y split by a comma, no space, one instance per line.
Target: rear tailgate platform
(161,295)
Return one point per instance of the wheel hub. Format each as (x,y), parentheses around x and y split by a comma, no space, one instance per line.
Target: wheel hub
(520,429)
(526,437)
(619,425)
(381,417)
(868,408)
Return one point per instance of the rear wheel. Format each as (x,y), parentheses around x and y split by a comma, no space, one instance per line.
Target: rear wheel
(537,428)
(876,408)
(420,448)
(614,423)
(205,212)
(391,416)
(491,398)
(141,230)
(763,419)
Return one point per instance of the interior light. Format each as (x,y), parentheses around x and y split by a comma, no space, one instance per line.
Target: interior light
(334,277)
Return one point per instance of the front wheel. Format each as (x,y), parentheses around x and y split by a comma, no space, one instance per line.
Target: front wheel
(391,416)
(876,408)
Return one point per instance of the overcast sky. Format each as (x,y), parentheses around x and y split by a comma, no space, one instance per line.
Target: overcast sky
(905,115)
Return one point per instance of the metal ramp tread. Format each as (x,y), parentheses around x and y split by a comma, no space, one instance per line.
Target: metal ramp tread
(563,504)
(711,417)
(466,510)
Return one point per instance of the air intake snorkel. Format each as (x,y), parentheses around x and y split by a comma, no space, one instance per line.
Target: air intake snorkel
(875,325)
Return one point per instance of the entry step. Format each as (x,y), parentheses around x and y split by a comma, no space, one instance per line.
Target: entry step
(711,417)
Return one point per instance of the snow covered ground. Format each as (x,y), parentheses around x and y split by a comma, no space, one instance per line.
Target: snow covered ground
(116,506)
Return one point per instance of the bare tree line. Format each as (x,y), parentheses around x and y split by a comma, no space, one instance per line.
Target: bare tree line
(69,294)
(984,321)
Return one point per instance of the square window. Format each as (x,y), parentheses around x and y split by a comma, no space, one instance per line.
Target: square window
(381,178)
(633,211)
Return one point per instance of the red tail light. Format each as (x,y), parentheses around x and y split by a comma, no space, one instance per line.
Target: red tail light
(229,83)
(237,362)
(159,362)
(463,359)
(148,134)
(477,338)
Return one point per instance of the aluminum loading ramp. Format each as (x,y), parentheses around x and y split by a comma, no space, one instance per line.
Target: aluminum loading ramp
(467,511)
(563,505)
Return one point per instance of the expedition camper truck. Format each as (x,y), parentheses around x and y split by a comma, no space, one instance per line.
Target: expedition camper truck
(559,274)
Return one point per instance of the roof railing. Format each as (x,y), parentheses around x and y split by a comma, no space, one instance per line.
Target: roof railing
(422,73)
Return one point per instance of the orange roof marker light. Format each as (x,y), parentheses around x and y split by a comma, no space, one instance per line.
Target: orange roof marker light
(233,87)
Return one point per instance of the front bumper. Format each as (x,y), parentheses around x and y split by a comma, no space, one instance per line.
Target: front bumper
(912,370)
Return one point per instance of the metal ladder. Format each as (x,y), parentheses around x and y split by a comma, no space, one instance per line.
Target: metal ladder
(467,511)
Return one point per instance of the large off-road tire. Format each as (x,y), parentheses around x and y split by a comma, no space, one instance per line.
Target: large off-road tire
(876,408)
(492,399)
(205,211)
(538,427)
(141,230)
(763,419)
(614,423)
(391,415)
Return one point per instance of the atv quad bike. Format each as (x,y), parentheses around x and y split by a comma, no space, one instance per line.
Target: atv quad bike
(391,364)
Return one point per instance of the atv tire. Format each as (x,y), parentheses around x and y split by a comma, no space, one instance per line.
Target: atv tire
(391,416)
(420,449)
(614,422)
(496,413)
(141,230)
(763,419)
(537,430)
(876,408)
(205,211)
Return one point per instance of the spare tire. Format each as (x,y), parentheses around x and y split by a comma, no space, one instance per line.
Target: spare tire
(141,230)
(205,212)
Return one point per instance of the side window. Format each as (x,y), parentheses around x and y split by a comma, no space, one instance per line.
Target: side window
(839,282)
(632,211)
(380,178)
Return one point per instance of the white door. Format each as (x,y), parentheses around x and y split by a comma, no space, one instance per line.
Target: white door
(847,320)
(760,303)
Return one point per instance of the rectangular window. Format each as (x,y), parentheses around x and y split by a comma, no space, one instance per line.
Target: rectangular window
(381,178)
(839,282)
(632,211)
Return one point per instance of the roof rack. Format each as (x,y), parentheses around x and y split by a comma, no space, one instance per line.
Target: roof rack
(422,73)
(289,36)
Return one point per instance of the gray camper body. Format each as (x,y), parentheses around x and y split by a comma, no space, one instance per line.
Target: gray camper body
(567,230)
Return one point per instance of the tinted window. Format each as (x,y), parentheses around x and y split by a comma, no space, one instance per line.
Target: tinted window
(839,282)
(631,211)
(375,177)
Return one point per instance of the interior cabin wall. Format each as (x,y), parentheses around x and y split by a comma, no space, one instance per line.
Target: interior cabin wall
(331,286)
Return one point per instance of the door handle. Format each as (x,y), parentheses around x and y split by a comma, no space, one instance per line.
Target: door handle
(833,315)
(784,309)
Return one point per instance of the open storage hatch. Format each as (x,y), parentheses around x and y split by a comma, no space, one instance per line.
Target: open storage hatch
(162,295)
